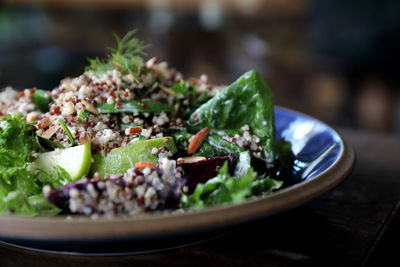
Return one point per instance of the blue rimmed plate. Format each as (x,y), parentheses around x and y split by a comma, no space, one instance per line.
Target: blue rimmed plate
(323,160)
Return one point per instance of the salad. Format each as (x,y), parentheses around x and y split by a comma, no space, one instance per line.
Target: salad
(130,136)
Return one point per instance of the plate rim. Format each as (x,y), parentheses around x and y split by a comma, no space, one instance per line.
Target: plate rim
(84,228)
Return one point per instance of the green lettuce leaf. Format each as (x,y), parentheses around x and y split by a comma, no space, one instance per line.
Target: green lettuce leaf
(20,190)
(225,189)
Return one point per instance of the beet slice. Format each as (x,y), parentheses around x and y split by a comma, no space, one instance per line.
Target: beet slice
(60,197)
(201,171)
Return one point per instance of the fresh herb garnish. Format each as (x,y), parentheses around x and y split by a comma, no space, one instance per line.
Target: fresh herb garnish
(126,58)
(83,114)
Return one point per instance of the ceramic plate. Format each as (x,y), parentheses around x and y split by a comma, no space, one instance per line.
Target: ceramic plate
(323,159)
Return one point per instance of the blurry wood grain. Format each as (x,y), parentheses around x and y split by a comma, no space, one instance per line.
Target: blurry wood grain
(280,7)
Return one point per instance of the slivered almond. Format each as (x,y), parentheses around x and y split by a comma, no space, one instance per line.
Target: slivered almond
(32,116)
(89,107)
(198,140)
(167,90)
(84,139)
(44,123)
(144,164)
(176,110)
(190,159)
(51,131)
(128,78)
(150,63)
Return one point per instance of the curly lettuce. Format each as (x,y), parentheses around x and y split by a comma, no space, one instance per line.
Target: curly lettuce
(20,190)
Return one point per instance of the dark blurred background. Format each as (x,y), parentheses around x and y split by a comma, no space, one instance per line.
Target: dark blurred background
(336,60)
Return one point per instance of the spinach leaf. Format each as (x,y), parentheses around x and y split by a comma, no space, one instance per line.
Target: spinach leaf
(47,144)
(246,101)
(224,189)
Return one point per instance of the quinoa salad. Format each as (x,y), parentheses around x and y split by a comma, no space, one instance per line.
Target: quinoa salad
(131,136)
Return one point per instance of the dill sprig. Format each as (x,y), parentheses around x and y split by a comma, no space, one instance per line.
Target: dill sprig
(126,58)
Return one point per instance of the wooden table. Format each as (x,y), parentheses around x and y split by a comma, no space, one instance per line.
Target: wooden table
(354,224)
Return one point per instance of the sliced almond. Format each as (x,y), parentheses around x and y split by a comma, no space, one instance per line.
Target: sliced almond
(51,131)
(150,63)
(133,131)
(198,140)
(144,164)
(44,123)
(128,78)
(176,110)
(32,116)
(167,90)
(191,159)
(89,107)
(84,139)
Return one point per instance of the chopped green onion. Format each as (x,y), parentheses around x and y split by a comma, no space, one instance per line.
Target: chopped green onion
(66,130)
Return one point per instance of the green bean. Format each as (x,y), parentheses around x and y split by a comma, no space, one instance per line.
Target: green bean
(134,106)
(41,99)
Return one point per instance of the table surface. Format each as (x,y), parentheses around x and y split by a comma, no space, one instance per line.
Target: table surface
(354,224)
